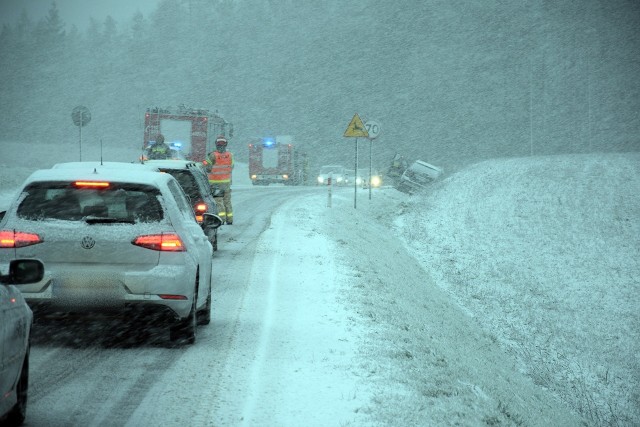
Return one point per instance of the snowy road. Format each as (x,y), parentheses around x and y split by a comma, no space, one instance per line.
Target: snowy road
(270,356)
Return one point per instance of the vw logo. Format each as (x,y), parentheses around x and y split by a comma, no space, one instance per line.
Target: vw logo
(88,242)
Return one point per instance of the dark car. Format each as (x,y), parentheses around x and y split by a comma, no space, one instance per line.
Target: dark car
(193,179)
(15,328)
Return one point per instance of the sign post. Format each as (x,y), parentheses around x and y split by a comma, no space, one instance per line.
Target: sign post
(355,130)
(373,128)
(81,116)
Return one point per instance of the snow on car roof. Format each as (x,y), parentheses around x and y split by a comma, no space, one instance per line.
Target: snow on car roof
(170,164)
(141,176)
(106,165)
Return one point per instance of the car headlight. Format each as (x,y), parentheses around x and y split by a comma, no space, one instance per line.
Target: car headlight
(320,180)
(376,181)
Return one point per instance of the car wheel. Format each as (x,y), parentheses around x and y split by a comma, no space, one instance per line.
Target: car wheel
(213,238)
(16,416)
(183,331)
(204,315)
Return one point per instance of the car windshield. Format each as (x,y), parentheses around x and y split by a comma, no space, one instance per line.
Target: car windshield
(66,201)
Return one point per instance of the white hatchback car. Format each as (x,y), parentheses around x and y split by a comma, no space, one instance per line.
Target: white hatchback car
(112,240)
(16,319)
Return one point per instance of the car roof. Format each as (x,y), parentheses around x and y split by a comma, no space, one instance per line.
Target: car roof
(106,165)
(172,164)
(124,175)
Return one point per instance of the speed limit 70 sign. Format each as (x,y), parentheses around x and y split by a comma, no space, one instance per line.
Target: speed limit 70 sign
(373,128)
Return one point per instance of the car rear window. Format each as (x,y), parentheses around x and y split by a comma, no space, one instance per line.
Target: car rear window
(71,202)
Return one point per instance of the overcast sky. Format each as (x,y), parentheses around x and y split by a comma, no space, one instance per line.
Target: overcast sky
(75,12)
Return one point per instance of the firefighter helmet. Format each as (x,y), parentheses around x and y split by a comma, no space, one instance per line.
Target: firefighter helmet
(159,138)
(221,141)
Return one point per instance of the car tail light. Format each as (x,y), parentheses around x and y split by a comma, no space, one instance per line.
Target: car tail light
(169,242)
(18,239)
(200,208)
(91,184)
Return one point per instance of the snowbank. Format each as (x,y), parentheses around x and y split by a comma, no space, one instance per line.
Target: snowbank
(543,256)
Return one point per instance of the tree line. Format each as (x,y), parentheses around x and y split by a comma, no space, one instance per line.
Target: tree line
(451,82)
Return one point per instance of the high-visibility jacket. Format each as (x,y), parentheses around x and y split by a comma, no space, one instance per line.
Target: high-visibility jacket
(221,166)
(158,152)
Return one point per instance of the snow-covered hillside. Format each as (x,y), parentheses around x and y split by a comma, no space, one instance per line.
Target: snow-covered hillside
(543,253)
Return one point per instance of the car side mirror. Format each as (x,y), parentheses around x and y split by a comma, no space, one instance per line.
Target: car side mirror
(211,220)
(24,272)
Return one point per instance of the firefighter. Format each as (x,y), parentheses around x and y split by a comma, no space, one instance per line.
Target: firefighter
(219,164)
(397,168)
(159,150)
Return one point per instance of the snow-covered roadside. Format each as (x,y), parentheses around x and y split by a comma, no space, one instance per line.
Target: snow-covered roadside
(427,360)
(543,254)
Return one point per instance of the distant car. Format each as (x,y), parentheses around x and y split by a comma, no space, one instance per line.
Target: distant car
(112,240)
(337,174)
(376,179)
(362,178)
(16,319)
(418,176)
(193,179)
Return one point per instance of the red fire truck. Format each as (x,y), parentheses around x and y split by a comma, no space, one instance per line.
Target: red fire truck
(190,131)
(275,161)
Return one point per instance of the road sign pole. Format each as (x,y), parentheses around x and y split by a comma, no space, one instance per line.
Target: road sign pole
(355,179)
(80,140)
(370,166)
(355,129)
(81,117)
(373,129)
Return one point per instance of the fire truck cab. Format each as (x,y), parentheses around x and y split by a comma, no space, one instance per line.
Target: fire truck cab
(273,160)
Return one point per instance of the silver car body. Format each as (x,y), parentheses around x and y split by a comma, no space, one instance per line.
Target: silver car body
(16,319)
(15,327)
(92,263)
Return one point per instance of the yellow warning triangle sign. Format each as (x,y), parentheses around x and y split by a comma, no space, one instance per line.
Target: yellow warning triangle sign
(356,128)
